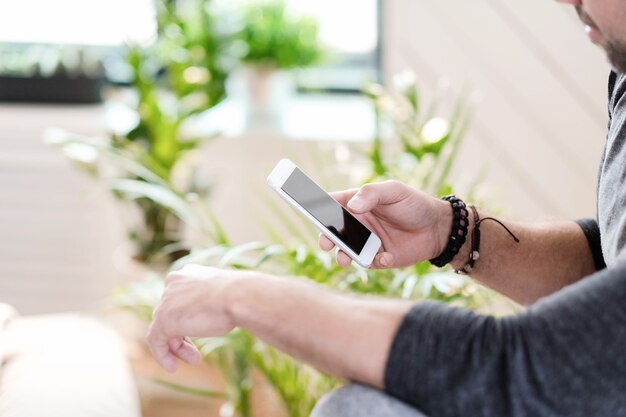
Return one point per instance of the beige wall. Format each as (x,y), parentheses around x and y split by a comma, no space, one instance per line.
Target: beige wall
(57,227)
(541,122)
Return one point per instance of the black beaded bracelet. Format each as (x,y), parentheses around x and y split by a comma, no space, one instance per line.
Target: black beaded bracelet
(458,233)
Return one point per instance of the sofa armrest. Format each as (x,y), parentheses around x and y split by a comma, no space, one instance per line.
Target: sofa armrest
(6,314)
(65,365)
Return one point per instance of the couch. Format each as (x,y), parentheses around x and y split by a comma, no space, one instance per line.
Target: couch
(63,365)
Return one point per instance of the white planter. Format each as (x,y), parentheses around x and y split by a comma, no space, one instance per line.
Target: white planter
(267,91)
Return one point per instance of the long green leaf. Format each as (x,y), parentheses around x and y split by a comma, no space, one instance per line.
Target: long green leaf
(234,255)
(161,195)
(191,390)
(200,256)
(126,162)
(458,134)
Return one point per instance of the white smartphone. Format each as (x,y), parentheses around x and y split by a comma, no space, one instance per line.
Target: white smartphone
(334,221)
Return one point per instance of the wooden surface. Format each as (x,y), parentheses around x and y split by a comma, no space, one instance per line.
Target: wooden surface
(160,401)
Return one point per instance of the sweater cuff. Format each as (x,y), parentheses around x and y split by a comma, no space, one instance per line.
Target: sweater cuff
(592,233)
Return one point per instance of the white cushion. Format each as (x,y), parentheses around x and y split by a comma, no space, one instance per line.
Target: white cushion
(6,313)
(65,365)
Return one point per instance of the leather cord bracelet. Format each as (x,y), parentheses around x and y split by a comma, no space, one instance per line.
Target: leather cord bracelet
(475,241)
(458,233)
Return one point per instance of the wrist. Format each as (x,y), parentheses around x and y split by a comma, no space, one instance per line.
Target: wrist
(243,293)
(236,296)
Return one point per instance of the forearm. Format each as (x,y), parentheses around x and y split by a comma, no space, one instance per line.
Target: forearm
(562,356)
(548,257)
(347,336)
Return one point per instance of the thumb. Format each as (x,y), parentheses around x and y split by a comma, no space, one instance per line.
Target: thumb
(185,350)
(383,260)
(371,195)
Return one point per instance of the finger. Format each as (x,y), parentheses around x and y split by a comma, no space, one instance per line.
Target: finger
(325,243)
(189,353)
(344,196)
(374,194)
(173,277)
(343,259)
(159,346)
(200,271)
(383,260)
(184,349)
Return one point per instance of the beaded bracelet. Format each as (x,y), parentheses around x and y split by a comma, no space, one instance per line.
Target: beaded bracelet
(458,233)
(475,249)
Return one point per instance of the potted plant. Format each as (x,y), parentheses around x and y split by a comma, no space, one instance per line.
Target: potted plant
(149,165)
(274,40)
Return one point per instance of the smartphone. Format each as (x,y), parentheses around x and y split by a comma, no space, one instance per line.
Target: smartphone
(330,218)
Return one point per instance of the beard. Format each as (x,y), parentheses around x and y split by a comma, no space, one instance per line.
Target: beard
(615,50)
(616,53)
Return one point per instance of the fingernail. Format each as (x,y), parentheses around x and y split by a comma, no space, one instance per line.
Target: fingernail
(384,261)
(356,203)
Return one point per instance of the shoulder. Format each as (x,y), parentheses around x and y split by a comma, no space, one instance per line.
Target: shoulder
(617,89)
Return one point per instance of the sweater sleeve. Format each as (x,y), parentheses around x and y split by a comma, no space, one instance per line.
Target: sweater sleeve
(592,233)
(563,356)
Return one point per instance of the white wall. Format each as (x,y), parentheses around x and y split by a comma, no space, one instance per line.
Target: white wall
(541,123)
(57,228)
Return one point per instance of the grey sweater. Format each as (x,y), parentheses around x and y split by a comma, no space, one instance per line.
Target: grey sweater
(564,356)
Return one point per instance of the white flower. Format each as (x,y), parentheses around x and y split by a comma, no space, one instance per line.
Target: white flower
(435,129)
(404,80)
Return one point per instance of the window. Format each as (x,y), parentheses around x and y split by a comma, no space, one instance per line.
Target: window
(349,28)
(76,22)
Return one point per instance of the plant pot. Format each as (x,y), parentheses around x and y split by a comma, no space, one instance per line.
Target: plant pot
(55,89)
(268,92)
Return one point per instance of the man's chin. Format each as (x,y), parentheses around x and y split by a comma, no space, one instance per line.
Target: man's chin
(617,58)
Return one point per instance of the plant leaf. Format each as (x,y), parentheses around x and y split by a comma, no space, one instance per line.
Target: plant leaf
(190,390)
(159,194)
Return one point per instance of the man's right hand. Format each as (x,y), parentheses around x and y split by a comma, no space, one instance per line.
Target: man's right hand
(412,225)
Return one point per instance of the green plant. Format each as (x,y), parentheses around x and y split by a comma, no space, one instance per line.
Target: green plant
(180,76)
(299,386)
(130,172)
(415,144)
(193,51)
(430,155)
(274,39)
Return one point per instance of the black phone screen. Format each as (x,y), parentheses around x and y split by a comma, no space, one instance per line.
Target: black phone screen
(326,210)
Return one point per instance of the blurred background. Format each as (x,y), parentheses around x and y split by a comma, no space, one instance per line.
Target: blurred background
(136,136)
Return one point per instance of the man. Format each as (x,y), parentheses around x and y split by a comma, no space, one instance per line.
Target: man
(565,355)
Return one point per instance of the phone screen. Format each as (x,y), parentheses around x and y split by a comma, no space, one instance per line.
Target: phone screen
(326,210)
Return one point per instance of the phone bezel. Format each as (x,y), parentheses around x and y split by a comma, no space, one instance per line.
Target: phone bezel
(277,179)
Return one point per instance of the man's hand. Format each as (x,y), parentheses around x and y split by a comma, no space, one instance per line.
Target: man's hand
(412,225)
(194,304)
(347,336)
